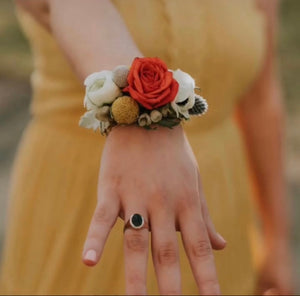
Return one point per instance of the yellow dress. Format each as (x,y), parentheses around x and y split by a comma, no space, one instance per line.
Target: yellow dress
(221,44)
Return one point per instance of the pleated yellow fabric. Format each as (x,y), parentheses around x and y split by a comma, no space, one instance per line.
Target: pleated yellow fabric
(221,44)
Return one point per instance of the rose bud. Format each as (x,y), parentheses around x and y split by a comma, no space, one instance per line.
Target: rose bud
(144,120)
(155,116)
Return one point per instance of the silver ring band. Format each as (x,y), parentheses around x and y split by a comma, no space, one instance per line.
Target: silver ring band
(136,222)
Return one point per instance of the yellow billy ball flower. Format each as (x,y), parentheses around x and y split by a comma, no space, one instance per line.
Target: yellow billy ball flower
(125,110)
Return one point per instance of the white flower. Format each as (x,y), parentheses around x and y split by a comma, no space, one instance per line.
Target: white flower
(185,97)
(100,90)
(88,120)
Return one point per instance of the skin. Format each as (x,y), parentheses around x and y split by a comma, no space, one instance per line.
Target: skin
(261,115)
(175,206)
(167,205)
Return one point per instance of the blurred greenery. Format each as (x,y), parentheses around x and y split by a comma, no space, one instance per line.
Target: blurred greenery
(289,47)
(289,61)
(15,58)
(16,65)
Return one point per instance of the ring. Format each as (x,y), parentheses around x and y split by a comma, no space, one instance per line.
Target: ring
(136,222)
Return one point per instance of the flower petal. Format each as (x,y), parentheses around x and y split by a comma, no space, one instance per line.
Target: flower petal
(88,120)
(101,90)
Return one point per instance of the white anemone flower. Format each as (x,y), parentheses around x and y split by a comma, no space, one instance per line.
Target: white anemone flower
(185,98)
(100,90)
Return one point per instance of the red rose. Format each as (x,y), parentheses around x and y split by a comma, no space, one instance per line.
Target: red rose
(150,83)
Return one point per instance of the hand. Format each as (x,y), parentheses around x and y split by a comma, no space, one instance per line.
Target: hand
(275,276)
(154,173)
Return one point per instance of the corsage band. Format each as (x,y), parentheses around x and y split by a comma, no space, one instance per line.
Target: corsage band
(146,94)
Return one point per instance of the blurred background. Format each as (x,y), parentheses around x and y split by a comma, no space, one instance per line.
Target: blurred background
(15,68)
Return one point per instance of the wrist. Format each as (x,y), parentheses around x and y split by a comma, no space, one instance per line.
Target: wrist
(157,130)
(135,134)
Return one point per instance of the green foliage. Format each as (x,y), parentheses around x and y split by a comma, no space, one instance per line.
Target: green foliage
(15,59)
(170,123)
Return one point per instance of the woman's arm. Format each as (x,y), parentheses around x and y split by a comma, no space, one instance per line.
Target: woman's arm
(91,33)
(153,173)
(262,119)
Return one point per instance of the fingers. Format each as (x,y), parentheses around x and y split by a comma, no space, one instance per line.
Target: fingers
(104,218)
(165,254)
(198,248)
(217,241)
(136,243)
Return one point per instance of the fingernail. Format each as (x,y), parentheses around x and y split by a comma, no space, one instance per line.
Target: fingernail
(221,238)
(90,255)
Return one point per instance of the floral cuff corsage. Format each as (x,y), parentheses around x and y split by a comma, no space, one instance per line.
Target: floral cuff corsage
(146,94)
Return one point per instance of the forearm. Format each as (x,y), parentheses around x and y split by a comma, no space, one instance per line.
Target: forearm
(92,35)
(262,120)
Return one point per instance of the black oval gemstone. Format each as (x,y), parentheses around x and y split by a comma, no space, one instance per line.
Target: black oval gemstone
(137,220)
